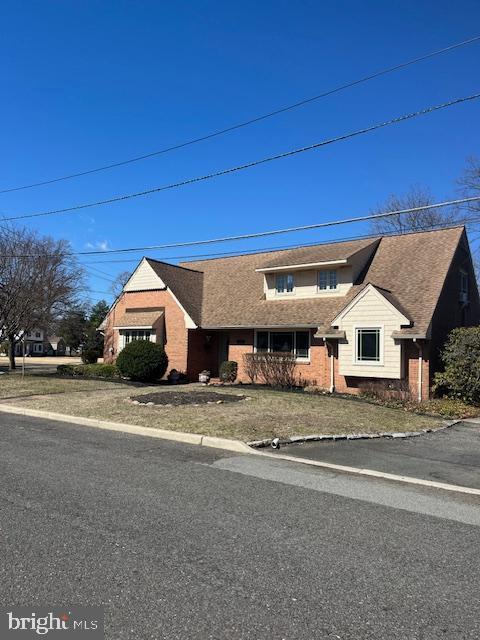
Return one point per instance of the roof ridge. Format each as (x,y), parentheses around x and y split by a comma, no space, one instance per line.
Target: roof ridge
(170,264)
(373,237)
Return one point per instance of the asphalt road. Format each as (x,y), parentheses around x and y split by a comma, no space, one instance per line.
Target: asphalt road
(451,456)
(183,542)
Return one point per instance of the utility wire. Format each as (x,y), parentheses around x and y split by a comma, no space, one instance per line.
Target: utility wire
(261,234)
(234,254)
(249,165)
(246,123)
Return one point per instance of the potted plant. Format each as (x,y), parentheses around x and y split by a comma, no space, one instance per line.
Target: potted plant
(204,376)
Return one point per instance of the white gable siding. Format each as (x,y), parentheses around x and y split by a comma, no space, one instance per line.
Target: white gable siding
(371,310)
(144,278)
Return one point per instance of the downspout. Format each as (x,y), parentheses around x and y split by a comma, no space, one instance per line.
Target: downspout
(330,345)
(420,370)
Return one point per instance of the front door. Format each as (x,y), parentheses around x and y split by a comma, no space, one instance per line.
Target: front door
(223,344)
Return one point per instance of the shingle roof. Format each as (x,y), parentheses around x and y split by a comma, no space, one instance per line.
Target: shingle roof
(186,285)
(318,253)
(138,318)
(411,268)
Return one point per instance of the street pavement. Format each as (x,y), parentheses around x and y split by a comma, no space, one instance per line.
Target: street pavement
(186,542)
(451,456)
(39,364)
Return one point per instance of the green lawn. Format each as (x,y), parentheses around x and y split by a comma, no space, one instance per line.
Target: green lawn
(266,413)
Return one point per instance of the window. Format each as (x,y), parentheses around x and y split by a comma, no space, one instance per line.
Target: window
(284,282)
(38,348)
(368,345)
(262,341)
(38,334)
(297,342)
(302,344)
(282,342)
(463,286)
(130,336)
(327,279)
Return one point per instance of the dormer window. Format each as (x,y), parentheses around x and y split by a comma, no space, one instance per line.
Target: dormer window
(327,280)
(284,283)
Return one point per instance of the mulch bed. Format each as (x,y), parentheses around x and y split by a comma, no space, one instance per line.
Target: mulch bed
(176,398)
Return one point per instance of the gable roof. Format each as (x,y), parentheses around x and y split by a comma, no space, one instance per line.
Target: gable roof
(409,268)
(185,284)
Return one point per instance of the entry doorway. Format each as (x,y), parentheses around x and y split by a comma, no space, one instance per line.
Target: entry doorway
(223,347)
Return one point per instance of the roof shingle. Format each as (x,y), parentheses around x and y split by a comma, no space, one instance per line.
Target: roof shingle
(228,292)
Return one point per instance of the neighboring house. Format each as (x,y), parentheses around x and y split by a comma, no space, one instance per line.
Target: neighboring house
(55,346)
(34,344)
(352,312)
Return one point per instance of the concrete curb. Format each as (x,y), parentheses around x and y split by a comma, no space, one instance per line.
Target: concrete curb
(228,445)
(258,444)
(375,474)
(164,434)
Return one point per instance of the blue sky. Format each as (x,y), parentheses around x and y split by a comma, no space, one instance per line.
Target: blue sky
(88,83)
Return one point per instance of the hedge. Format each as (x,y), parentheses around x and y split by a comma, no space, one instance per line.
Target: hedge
(89,370)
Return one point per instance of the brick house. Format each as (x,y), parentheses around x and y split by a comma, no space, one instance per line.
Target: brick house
(352,312)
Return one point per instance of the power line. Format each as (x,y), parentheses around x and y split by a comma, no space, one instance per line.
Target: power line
(237,253)
(261,234)
(249,165)
(246,123)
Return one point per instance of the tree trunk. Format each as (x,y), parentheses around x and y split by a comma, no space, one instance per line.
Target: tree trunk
(11,352)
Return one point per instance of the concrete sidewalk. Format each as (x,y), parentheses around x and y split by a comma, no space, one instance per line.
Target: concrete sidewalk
(451,456)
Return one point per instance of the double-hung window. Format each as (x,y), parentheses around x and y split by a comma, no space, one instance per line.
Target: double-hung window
(327,280)
(296,342)
(284,283)
(368,345)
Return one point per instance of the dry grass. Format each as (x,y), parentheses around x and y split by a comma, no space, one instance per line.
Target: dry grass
(266,413)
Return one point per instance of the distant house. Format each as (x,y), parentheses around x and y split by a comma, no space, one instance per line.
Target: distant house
(351,312)
(55,346)
(34,344)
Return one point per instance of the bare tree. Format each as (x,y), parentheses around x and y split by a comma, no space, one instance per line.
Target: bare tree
(469,212)
(417,196)
(469,184)
(120,281)
(38,278)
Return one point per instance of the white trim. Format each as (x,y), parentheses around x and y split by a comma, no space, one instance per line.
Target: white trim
(130,327)
(299,359)
(368,363)
(189,323)
(305,265)
(370,287)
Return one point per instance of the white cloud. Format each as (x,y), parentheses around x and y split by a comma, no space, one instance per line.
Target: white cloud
(101,245)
